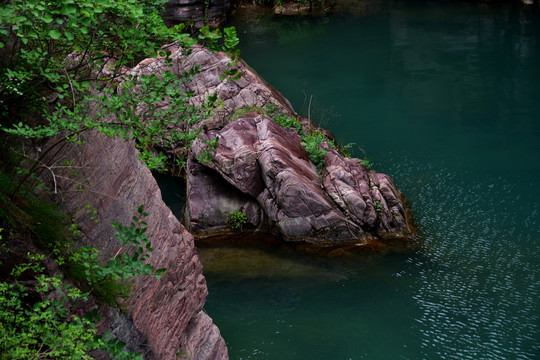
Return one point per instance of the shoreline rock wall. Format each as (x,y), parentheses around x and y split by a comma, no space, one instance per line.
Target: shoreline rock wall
(196,12)
(165,314)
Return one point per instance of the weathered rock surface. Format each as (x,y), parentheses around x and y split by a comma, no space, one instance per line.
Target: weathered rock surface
(261,169)
(277,186)
(165,314)
(248,91)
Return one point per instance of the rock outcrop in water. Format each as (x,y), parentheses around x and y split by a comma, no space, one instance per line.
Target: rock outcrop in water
(262,170)
(277,187)
(165,317)
(259,168)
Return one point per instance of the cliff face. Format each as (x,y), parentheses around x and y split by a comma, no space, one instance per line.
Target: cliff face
(166,314)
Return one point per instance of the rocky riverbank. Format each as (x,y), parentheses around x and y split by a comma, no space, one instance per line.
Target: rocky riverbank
(215,12)
(258,168)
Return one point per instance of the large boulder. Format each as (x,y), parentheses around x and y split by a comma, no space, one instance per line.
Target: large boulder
(262,169)
(267,175)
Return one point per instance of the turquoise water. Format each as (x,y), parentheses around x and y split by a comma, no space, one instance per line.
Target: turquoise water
(444,97)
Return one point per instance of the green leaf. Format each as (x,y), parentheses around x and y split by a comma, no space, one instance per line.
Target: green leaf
(47,18)
(68,10)
(55,34)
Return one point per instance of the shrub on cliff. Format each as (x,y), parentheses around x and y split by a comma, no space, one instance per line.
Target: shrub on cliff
(62,72)
(43,318)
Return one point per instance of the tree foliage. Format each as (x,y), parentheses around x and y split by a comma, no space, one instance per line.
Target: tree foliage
(44,319)
(60,45)
(63,70)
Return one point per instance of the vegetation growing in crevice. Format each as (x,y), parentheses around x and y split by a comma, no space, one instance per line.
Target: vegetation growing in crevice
(311,140)
(236,220)
(312,143)
(366,163)
(284,120)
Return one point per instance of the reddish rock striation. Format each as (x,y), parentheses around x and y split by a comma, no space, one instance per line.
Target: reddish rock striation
(278,188)
(166,314)
(248,91)
(261,169)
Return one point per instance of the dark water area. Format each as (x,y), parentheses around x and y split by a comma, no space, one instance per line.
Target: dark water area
(174,193)
(445,98)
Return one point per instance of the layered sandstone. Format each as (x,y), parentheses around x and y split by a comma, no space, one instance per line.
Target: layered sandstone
(165,316)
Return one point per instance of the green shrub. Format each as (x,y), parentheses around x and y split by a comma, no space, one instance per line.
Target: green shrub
(366,163)
(284,120)
(236,220)
(378,206)
(45,320)
(240,112)
(312,143)
(59,48)
(36,325)
(346,150)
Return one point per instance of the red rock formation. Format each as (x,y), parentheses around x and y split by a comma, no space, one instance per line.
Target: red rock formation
(258,167)
(276,185)
(263,170)
(167,312)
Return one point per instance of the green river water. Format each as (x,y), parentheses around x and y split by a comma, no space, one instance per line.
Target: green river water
(445,98)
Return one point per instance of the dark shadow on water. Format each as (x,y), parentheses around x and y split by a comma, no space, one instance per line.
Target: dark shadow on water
(173,192)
